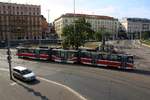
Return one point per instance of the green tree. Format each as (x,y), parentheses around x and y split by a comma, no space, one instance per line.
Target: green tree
(146,35)
(75,35)
(102,35)
(98,36)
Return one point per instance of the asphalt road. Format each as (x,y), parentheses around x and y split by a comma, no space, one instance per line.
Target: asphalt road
(96,83)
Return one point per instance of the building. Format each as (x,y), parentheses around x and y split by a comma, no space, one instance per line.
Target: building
(135,25)
(20,21)
(97,22)
(48,31)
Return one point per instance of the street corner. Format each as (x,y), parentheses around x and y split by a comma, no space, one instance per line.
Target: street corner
(40,89)
(59,91)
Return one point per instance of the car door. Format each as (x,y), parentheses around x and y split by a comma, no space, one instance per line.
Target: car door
(17,73)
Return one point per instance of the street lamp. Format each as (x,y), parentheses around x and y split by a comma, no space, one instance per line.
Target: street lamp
(74,17)
(8,44)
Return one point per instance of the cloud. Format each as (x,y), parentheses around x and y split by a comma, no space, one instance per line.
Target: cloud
(107,10)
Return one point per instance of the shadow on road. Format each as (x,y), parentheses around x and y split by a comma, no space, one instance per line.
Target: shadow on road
(31,90)
(136,71)
(140,71)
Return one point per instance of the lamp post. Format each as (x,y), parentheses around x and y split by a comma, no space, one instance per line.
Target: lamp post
(74,28)
(8,43)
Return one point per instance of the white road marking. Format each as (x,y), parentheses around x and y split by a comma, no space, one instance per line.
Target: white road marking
(4,69)
(64,86)
(12,84)
(53,82)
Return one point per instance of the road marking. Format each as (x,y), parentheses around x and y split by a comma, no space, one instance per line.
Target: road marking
(64,86)
(12,84)
(4,69)
(53,82)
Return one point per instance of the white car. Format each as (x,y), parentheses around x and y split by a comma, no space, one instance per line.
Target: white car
(23,73)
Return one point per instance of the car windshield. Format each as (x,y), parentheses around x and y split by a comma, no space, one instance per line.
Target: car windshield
(27,71)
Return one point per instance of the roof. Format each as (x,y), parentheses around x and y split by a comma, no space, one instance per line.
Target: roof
(19,68)
(7,3)
(71,50)
(87,16)
(145,20)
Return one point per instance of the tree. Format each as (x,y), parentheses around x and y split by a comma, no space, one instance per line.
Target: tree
(102,35)
(98,36)
(145,35)
(75,35)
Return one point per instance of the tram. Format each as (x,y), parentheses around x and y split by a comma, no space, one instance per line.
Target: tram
(86,57)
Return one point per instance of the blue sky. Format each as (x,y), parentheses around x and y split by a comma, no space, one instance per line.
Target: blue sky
(114,8)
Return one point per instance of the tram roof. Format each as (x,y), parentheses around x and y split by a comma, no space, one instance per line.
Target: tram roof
(66,50)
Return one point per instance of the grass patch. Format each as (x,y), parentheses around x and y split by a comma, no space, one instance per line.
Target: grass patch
(146,42)
(92,44)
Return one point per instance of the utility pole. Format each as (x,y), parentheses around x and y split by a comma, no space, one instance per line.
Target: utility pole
(8,43)
(74,17)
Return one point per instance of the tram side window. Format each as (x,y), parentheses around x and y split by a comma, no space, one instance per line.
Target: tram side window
(104,57)
(62,54)
(56,53)
(22,50)
(99,56)
(85,55)
(119,58)
(43,52)
(96,56)
(130,59)
(113,57)
(71,54)
(31,51)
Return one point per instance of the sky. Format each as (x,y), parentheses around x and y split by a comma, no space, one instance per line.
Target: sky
(114,8)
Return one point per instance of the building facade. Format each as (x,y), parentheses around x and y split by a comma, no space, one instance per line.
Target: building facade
(135,25)
(97,22)
(19,21)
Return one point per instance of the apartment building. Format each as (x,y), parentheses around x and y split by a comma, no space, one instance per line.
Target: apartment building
(20,21)
(135,25)
(97,22)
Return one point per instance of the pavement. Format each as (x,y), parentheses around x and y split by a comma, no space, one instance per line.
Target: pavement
(41,89)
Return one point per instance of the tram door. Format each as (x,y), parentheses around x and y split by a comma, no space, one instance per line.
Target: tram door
(123,60)
(63,56)
(95,58)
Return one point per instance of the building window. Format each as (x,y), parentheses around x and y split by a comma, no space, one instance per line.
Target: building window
(66,21)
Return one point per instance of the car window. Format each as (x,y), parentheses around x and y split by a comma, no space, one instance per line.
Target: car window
(15,70)
(27,71)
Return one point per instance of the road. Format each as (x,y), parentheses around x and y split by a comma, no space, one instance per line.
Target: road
(96,83)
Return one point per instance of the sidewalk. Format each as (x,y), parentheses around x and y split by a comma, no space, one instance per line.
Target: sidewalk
(38,90)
